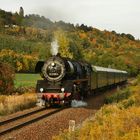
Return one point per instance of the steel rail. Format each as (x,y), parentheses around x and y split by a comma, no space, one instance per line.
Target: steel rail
(8,130)
(21,116)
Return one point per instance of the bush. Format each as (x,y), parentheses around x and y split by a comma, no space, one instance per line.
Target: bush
(119,96)
(24,89)
(7,75)
(138,79)
(116,125)
(127,103)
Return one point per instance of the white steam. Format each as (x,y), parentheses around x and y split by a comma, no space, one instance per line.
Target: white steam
(54,47)
(76,103)
(40,102)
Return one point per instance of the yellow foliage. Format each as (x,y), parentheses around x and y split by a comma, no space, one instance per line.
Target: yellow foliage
(19,66)
(117,125)
(19,61)
(63,42)
(111,122)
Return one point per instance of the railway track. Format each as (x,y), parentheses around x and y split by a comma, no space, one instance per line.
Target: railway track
(15,123)
(3,122)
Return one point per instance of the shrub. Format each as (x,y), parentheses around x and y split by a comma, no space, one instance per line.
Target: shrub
(138,79)
(126,103)
(7,75)
(116,125)
(24,89)
(119,96)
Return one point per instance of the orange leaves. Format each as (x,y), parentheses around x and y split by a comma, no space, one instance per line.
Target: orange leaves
(83,35)
(1,82)
(93,40)
(6,78)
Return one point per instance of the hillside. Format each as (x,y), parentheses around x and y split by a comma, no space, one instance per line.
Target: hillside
(26,39)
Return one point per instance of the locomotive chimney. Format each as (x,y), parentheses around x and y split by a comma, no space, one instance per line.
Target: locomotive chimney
(58,54)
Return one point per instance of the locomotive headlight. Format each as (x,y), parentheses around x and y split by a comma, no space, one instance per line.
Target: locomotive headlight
(41,89)
(53,64)
(62,89)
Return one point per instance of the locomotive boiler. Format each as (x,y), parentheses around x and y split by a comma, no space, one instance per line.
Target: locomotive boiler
(64,79)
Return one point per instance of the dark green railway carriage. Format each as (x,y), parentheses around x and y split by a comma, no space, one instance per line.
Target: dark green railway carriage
(102,77)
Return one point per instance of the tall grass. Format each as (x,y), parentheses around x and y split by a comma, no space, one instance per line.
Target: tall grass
(14,103)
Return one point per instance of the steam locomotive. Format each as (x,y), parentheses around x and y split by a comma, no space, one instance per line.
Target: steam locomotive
(65,79)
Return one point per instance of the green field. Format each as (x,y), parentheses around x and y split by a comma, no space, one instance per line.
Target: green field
(28,80)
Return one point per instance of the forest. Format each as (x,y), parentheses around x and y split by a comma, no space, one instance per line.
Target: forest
(25,39)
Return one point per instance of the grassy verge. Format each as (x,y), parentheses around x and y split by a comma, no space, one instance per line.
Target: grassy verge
(24,85)
(26,80)
(117,120)
(13,103)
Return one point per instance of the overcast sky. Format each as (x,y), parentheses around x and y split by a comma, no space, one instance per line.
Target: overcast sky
(119,15)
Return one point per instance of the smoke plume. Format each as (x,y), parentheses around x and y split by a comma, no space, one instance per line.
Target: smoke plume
(54,47)
(40,102)
(76,103)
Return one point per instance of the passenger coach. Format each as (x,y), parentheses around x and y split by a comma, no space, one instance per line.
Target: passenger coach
(106,77)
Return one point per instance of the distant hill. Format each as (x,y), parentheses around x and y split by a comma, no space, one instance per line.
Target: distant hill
(27,38)
(31,20)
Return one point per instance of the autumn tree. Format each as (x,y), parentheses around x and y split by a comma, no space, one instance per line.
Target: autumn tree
(21,63)
(63,43)
(21,12)
(6,78)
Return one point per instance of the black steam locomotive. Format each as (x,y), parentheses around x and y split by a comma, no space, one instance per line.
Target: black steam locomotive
(65,79)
